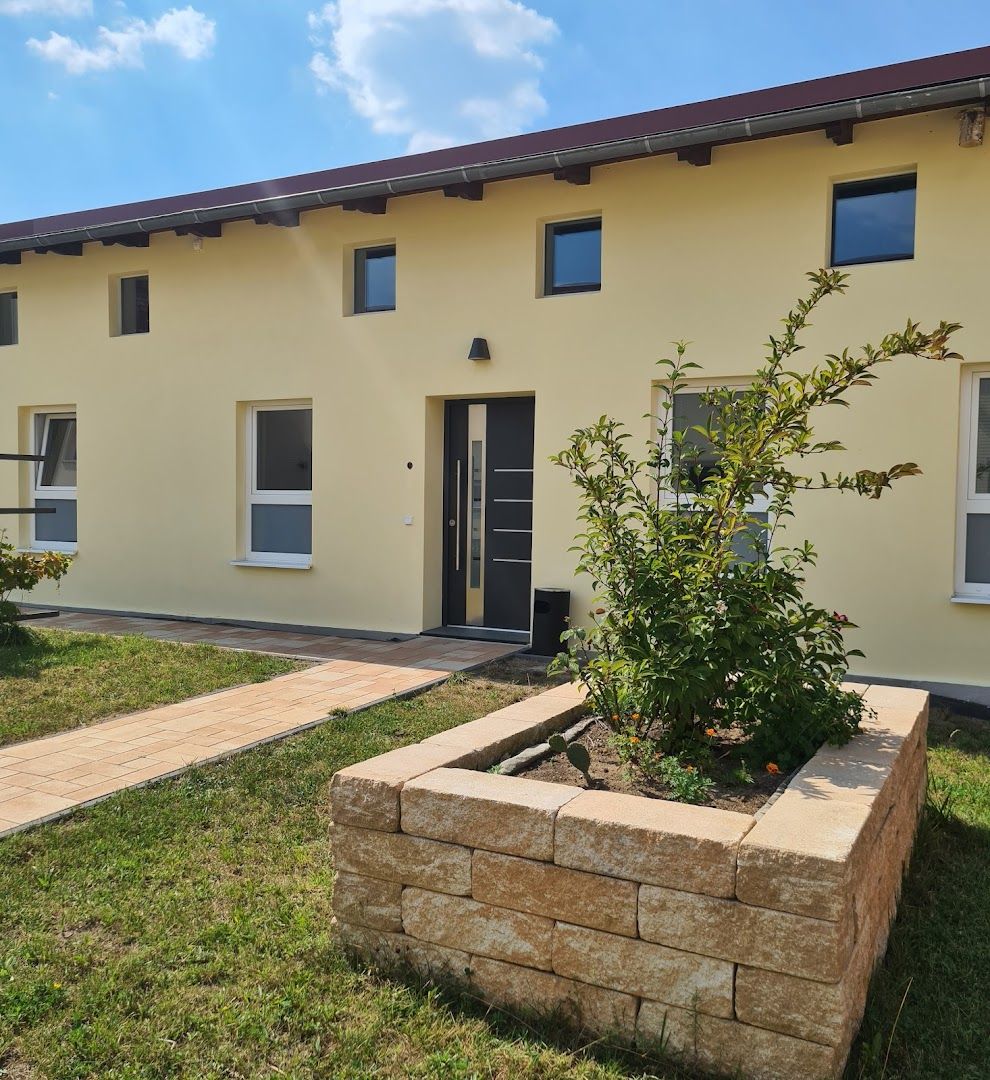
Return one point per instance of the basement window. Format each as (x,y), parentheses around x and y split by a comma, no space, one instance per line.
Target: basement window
(8,318)
(280,495)
(374,279)
(133,306)
(873,220)
(573,257)
(55,482)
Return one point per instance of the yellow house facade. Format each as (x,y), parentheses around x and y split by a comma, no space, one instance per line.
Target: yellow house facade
(216,377)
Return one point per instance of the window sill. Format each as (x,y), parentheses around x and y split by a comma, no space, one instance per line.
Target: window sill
(591,290)
(957,599)
(71,552)
(257,564)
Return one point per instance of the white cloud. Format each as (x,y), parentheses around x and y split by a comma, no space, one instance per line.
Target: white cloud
(46,7)
(189,32)
(436,71)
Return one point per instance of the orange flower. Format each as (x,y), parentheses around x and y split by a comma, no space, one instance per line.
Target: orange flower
(635,716)
(633,739)
(615,718)
(690,768)
(710,732)
(772,769)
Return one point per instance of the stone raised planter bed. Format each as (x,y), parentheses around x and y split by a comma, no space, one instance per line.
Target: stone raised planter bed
(744,942)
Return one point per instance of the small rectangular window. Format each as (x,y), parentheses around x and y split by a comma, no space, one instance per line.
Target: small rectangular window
(135,315)
(973,528)
(374,279)
(281,484)
(55,481)
(8,318)
(573,258)
(873,220)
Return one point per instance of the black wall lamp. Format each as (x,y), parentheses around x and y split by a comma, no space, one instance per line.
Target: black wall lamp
(479,349)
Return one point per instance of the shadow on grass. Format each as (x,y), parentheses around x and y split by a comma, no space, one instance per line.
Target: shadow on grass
(549,1029)
(927,1013)
(27,654)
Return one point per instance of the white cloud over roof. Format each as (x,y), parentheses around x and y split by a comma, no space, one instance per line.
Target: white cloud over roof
(439,72)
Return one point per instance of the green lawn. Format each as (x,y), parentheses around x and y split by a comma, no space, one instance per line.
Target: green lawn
(62,680)
(938,962)
(183,930)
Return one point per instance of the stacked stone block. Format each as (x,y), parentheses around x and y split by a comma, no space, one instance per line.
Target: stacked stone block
(745,943)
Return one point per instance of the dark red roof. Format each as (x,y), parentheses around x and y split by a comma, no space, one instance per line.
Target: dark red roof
(892,78)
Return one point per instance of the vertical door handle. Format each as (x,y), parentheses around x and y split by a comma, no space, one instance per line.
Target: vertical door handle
(457,521)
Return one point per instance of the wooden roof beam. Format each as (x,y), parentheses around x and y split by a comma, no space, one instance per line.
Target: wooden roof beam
(286,219)
(132,240)
(61,249)
(211,229)
(840,132)
(574,174)
(695,155)
(377,204)
(473,191)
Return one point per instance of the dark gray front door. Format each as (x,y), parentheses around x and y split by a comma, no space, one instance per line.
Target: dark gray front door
(488,513)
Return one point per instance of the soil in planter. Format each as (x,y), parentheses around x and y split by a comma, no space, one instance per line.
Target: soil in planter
(610,774)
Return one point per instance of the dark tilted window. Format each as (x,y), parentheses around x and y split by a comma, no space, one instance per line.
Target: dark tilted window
(134,309)
(573,261)
(873,220)
(8,318)
(374,279)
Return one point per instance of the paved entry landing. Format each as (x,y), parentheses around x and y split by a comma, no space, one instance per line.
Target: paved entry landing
(47,778)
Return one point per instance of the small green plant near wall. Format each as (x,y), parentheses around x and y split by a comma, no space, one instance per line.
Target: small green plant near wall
(20,572)
(701,622)
(576,754)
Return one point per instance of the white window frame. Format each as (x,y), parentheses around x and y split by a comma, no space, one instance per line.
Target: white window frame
(759,504)
(257,496)
(40,491)
(969,501)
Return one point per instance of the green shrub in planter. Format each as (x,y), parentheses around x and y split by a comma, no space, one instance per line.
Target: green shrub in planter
(700,618)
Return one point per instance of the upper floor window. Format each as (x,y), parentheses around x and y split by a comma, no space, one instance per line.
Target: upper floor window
(973,526)
(873,220)
(134,312)
(374,279)
(8,318)
(573,258)
(280,496)
(54,486)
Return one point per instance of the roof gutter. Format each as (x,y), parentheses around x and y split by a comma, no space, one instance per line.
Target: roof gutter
(781,123)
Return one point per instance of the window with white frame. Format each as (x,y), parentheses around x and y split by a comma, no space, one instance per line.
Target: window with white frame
(54,488)
(691,415)
(280,484)
(973,527)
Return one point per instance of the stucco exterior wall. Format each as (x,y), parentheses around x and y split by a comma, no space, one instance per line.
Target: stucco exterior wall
(714,255)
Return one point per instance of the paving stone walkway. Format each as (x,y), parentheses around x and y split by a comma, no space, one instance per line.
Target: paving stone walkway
(47,778)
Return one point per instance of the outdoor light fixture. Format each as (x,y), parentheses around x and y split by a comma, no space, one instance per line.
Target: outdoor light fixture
(972,124)
(479,349)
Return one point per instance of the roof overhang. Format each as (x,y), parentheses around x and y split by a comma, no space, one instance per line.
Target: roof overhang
(49,233)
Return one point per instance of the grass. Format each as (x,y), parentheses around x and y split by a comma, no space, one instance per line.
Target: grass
(59,680)
(183,931)
(928,1011)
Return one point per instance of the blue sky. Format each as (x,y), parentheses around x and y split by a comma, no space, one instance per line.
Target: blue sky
(115,100)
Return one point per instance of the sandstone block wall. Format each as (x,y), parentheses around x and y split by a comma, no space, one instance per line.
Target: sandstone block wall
(745,943)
